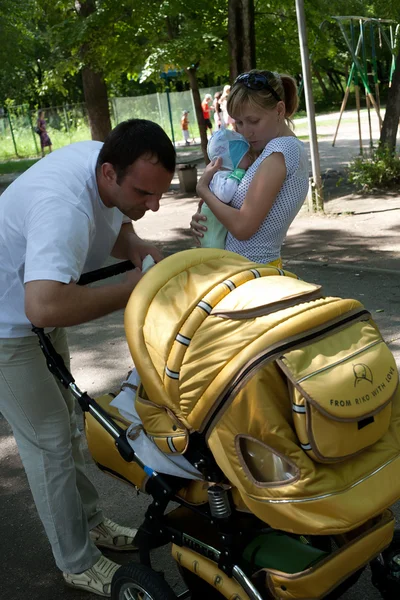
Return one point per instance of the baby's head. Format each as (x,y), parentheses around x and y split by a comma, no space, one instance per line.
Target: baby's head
(232,147)
(246,161)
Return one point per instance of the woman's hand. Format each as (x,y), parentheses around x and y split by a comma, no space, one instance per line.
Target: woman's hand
(197,226)
(207,175)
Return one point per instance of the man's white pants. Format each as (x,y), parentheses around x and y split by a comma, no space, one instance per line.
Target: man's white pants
(42,415)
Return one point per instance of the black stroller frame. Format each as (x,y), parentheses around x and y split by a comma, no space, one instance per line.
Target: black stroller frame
(228,530)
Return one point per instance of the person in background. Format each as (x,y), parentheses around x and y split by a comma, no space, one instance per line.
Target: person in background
(275,186)
(45,140)
(64,216)
(217,110)
(226,119)
(185,126)
(205,107)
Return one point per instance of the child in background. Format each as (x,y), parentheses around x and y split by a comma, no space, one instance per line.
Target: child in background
(233,148)
(185,126)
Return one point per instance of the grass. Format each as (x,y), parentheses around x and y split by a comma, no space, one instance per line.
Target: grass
(26,146)
(16,166)
(28,143)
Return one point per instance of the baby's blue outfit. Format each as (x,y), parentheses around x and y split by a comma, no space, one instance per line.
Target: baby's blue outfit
(231,147)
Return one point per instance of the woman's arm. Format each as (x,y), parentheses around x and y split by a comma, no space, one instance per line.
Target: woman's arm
(261,195)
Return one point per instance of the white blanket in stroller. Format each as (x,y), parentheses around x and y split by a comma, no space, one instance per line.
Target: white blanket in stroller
(145,448)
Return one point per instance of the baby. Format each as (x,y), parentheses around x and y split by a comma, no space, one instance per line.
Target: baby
(233,148)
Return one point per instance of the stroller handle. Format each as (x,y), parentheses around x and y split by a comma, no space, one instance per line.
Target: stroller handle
(105,272)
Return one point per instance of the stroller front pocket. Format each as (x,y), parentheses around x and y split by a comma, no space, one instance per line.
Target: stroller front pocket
(341,388)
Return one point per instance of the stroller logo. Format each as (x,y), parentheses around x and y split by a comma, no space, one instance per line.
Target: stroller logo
(362,372)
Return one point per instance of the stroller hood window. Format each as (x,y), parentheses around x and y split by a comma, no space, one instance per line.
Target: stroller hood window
(263,464)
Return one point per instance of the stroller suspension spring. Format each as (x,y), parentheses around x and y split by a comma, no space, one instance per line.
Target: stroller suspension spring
(219,502)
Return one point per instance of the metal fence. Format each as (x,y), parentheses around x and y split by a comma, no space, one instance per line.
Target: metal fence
(69,123)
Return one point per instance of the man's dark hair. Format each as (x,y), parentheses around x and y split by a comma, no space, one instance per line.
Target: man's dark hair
(131,140)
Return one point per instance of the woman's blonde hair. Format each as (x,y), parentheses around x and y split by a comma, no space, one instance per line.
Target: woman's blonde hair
(284,86)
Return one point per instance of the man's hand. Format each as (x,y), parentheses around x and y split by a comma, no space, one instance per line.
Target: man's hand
(130,246)
(139,249)
(131,278)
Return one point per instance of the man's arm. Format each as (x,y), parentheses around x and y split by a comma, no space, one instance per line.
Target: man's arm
(56,304)
(130,246)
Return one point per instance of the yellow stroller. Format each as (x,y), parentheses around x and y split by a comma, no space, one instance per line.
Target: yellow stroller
(285,405)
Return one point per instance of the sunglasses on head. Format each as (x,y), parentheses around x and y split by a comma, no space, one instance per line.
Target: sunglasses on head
(257,81)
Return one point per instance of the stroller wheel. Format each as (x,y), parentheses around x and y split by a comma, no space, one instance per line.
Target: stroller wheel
(386,570)
(138,582)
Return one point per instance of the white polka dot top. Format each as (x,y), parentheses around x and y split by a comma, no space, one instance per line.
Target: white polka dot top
(265,245)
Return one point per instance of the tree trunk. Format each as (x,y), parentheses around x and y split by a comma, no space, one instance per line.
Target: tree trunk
(96,99)
(392,114)
(94,86)
(194,86)
(241,37)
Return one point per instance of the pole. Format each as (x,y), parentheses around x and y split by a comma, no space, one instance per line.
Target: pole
(32,130)
(393,63)
(170,113)
(375,72)
(12,134)
(344,102)
(160,112)
(365,67)
(359,67)
(194,114)
(305,62)
(349,81)
(356,86)
(65,108)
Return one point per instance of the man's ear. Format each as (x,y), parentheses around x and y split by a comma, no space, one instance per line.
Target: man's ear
(108,172)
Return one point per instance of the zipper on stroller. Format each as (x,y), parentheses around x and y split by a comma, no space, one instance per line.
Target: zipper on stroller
(275,351)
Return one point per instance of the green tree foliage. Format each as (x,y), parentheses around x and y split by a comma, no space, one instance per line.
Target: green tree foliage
(17,48)
(131,41)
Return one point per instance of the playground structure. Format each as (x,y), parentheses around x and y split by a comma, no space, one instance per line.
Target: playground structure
(377,29)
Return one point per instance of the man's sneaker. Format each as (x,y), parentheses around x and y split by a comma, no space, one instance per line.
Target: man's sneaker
(97,579)
(113,536)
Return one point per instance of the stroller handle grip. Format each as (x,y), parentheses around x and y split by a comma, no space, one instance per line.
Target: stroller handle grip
(105,272)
